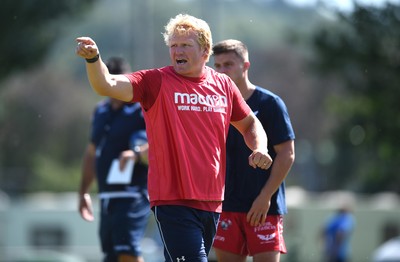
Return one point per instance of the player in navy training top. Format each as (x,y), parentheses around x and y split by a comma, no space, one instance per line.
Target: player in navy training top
(118,133)
(251,191)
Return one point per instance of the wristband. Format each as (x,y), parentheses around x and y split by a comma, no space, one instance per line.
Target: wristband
(93,59)
(137,151)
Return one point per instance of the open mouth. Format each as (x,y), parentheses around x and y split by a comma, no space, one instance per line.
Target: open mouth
(181,61)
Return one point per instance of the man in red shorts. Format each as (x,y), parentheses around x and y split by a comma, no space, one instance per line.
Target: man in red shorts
(253,192)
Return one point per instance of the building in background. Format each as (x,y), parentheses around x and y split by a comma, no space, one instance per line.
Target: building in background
(46,226)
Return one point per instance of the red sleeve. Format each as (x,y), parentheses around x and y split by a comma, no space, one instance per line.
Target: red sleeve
(146,85)
(240,109)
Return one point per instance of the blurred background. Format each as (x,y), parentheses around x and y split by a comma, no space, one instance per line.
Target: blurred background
(336,64)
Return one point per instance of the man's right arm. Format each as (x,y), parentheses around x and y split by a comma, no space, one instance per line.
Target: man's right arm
(105,84)
(256,139)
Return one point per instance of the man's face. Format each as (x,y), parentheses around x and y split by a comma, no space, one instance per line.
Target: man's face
(230,64)
(187,57)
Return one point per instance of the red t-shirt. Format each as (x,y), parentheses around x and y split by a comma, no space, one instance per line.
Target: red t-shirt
(187,121)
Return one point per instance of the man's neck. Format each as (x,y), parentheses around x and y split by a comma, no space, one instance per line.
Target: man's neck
(246,89)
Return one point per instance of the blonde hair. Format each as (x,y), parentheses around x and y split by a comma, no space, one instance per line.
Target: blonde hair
(183,24)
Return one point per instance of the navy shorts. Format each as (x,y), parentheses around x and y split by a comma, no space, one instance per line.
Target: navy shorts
(187,233)
(123,223)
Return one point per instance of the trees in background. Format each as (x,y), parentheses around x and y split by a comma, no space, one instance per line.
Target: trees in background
(29,29)
(38,120)
(364,57)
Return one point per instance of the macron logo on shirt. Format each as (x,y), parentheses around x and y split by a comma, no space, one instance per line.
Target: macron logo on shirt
(196,102)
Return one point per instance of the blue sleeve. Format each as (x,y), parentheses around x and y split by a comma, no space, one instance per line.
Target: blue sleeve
(280,128)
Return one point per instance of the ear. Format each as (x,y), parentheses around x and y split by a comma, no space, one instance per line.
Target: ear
(205,54)
(246,65)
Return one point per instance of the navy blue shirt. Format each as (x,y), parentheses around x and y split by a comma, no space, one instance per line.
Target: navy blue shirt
(243,182)
(111,134)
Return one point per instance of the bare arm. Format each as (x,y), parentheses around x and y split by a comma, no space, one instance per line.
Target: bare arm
(105,84)
(282,164)
(88,176)
(256,139)
(141,156)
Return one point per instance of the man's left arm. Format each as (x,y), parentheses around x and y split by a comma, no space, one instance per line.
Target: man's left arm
(283,162)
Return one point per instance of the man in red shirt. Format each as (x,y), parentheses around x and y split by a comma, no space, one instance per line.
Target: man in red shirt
(188,108)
